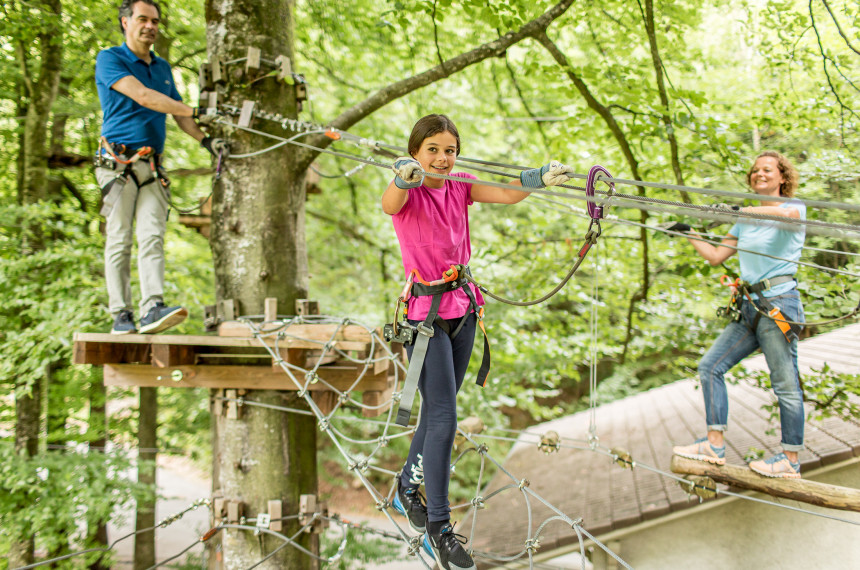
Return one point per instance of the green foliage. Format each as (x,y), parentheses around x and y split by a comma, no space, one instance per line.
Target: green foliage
(832,394)
(49,291)
(362,549)
(741,76)
(56,491)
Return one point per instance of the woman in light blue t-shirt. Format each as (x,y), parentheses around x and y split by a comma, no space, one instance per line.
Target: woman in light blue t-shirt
(771,175)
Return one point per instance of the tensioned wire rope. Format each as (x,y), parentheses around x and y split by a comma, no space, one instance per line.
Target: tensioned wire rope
(701,237)
(849,315)
(645,184)
(386,166)
(305,127)
(585,446)
(619,200)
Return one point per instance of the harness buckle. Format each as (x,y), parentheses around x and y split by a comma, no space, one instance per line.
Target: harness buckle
(425,330)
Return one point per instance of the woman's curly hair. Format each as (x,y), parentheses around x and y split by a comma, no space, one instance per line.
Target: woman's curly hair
(786,168)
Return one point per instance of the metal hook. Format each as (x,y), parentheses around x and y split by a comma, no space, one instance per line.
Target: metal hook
(595,210)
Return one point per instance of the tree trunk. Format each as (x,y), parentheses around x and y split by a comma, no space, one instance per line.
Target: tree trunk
(267,455)
(40,93)
(147,442)
(97,426)
(259,251)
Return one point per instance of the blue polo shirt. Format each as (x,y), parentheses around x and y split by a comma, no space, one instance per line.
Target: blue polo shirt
(125,121)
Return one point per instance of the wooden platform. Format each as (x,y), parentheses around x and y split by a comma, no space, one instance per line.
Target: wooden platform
(236,360)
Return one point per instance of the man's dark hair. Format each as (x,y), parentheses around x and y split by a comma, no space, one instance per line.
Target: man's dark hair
(127,7)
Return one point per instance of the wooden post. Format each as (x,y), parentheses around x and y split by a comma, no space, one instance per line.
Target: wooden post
(144,543)
(270,309)
(802,490)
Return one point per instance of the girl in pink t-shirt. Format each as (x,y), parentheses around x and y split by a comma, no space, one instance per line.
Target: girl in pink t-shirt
(431,220)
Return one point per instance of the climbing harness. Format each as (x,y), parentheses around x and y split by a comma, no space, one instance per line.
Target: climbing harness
(401,330)
(731,311)
(118,157)
(790,329)
(456,277)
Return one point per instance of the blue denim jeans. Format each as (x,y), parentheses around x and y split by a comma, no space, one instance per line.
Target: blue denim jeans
(736,342)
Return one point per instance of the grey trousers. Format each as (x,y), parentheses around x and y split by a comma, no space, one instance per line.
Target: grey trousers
(148,207)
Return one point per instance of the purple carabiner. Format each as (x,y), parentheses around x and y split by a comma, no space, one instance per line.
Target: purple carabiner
(595,211)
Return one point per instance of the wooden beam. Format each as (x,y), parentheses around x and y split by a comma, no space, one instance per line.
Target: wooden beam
(233,376)
(315,332)
(97,352)
(167,355)
(802,490)
(325,401)
(90,352)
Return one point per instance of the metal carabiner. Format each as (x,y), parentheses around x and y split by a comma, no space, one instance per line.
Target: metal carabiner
(596,210)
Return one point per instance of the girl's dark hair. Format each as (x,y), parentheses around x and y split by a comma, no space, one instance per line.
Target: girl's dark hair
(786,168)
(127,8)
(429,126)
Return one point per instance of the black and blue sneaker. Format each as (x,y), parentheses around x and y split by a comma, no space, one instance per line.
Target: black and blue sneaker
(446,548)
(124,323)
(161,317)
(409,502)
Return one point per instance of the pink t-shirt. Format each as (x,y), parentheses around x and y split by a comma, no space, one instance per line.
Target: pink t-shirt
(433,230)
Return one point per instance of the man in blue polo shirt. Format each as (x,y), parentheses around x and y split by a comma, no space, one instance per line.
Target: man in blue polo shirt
(137,92)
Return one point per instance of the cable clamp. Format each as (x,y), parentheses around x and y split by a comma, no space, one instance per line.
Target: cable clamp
(532,545)
(523,484)
(478,502)
(414,545)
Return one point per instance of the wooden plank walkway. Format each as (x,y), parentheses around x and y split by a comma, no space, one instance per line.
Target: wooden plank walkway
(582,483)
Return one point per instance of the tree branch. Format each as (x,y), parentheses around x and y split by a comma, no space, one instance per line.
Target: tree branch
(838,27)
(616,131)
(524,101)
(657,62)
(401,88)
(824,58)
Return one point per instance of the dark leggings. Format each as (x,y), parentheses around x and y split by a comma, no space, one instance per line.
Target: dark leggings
(441,377)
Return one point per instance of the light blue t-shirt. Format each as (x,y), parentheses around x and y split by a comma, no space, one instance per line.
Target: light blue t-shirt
(783,240)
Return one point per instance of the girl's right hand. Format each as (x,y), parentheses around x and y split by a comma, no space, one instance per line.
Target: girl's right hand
(408,173)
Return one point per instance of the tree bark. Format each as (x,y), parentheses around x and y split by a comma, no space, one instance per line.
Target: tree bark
(821,494)
(147,443)
(40,92)
(97,427)
(659,72)
(259,251)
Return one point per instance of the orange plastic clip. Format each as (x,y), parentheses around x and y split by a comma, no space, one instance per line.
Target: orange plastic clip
(450,275)
(727,281)
(333,135)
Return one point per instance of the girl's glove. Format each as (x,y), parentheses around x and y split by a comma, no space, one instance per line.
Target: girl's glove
(409,173)
(551,174)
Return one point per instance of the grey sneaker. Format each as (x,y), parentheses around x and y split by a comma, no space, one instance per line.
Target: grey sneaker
(702,450)
(160,318)
(124,323)
(446,547)
(410,503)
(777,466)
